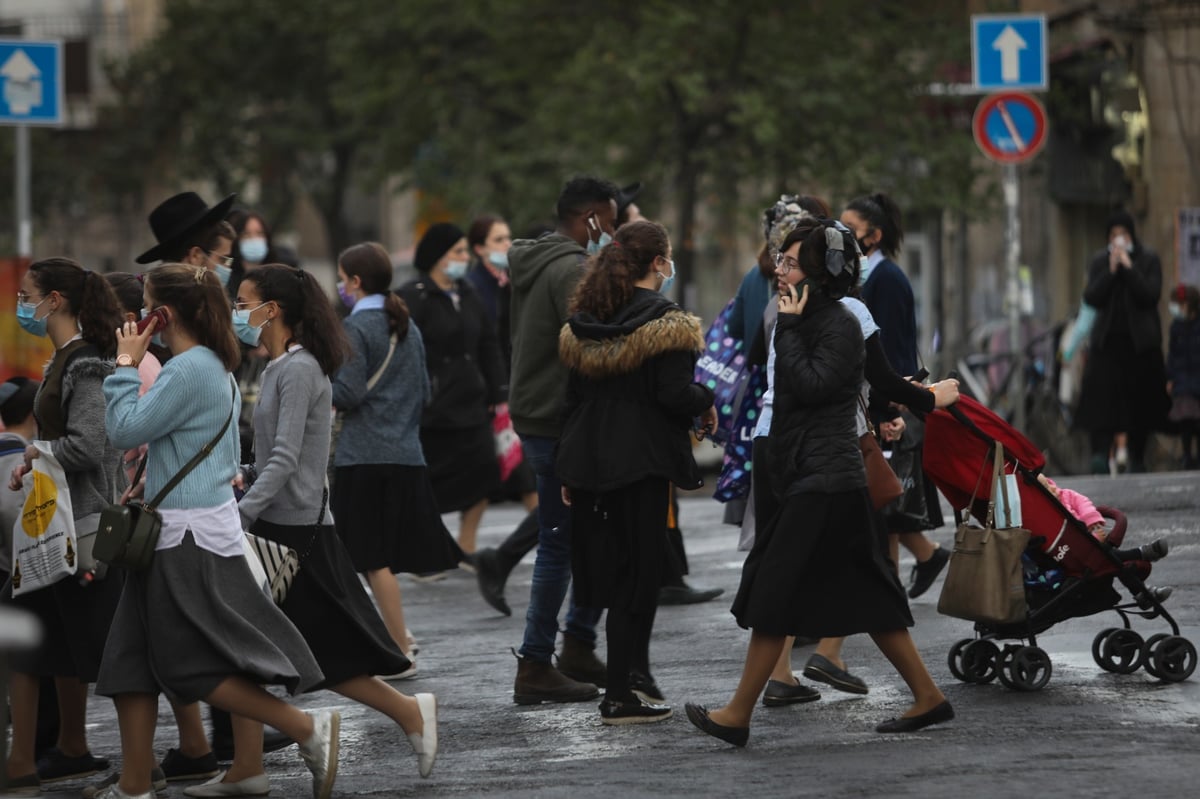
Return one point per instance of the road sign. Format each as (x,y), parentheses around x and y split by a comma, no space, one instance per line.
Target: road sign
(1010,127)
(1009,52)
(31,87)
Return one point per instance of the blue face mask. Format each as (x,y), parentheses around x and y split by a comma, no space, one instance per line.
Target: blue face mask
(26,319)
(594,247)
(254,250)
(246,332)
(668,280)
(223,274)
(456,270)
(498,259)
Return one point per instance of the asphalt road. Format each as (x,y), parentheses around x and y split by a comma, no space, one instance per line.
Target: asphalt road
(1088,732)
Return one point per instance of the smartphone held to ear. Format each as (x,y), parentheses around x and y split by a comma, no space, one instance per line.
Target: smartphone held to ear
(159,314)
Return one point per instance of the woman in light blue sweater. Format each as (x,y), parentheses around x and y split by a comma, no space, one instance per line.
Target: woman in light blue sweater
(194,625)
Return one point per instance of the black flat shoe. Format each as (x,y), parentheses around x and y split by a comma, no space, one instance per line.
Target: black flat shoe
(698,715)
(634,711)
(940,714)
(923,574)
(779,694)
(821,669)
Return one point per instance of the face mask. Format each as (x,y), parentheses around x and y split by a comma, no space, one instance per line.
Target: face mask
(254,250)
(668,280)
(1176,310)
(25,318)
(863,246)
(223,274)
(346,297)
(1120,242)
(246,332)
(456,270)
(594,247)
(498,259)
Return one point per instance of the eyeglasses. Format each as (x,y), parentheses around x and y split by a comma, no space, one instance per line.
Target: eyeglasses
(222,260)
(24,297)
(786,262)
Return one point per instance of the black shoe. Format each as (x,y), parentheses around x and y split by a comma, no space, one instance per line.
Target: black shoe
(1154,551)
(644,687)
(579,662)
(923,574)
(686,595)
(491,577)
(822,669)
(273,741)
(698,715)
(941,713)
(177,766)
(54,766)
(634,711)
(779,694)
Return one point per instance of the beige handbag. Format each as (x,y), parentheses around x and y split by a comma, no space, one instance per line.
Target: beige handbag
(984,581)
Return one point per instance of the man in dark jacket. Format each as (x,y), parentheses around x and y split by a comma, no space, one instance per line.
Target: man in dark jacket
(544,273)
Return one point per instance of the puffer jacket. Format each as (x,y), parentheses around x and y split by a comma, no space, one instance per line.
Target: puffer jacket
(631,396)
(819,358)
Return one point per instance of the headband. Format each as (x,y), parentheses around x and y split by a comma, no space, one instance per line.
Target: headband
(835,253)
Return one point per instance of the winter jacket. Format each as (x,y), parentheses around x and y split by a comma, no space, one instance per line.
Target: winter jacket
(544,273)
(819,358)
(631,396)
(1126,301)
(466,369)
(1183,358)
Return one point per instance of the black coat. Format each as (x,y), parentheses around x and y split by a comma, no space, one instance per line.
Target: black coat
(1126,302)
(819,357)
(631,396)
(462,354)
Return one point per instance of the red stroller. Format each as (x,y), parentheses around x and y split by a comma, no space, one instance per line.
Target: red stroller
(958,443)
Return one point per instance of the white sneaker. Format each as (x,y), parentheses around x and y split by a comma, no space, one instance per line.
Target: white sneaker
(425,743)
(257,785)
(320,752)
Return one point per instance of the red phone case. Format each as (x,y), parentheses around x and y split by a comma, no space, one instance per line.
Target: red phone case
(157,313)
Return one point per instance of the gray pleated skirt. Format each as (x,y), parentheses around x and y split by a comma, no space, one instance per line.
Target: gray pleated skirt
(192,620)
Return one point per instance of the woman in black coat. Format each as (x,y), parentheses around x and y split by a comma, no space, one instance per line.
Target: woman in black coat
(817,568)
(466,374)
(631,398)
(1125,378)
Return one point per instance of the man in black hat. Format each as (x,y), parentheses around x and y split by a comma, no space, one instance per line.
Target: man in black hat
(190,232)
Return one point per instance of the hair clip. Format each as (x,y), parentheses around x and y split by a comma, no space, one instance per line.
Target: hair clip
(200,272)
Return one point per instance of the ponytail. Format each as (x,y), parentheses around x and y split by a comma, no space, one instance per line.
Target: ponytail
(89,299)
(881,213)
(306,311)
(370,263)
(609,281)
(200,305)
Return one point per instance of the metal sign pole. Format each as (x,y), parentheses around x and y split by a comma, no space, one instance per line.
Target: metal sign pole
(21,189)
(1012,261)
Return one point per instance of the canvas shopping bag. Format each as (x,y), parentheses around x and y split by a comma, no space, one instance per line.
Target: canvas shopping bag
(984,582)
(44,545)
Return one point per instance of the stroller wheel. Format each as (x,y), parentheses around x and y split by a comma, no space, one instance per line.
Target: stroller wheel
(954,659)
(1122,652)
(1030,669)
(1004,667)
(979,661)
(1098,644)
(1148,655)
(1175,658)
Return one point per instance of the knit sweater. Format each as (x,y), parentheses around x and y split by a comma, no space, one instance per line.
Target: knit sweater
(381,426)
(178,416)
(291,442)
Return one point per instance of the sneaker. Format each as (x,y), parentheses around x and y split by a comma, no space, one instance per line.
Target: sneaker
(923,574)
(177,766)
(614,712)
(579,662)
(780,693)
(258,785)
(54,766)
(1154,551)
(425,743)
(644,688)
(320,751)
(157,779)
(538,682)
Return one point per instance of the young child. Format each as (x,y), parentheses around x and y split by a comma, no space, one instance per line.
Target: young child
(1085,511)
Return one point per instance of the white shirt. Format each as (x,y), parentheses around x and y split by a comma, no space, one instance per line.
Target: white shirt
(219,529)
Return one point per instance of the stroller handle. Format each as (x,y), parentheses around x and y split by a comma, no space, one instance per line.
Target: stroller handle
(1117,534)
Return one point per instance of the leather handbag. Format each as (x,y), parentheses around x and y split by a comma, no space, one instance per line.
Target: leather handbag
(128,533)
(882,483)
(282,563)
(984,582)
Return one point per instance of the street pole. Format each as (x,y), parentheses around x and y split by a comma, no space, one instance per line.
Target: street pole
(21,189)
(1012,261)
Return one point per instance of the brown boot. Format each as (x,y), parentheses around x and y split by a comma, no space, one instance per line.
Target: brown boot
(579,662)
(539,682)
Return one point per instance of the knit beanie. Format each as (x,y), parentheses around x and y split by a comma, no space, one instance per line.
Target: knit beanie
(436,242)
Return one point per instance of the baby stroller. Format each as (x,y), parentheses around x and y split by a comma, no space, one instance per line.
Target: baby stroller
(1069,573)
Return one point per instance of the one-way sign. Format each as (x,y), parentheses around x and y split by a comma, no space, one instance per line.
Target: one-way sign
(1009,52)
(30,82)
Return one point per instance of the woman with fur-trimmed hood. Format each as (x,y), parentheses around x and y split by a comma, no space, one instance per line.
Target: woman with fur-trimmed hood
(630,402)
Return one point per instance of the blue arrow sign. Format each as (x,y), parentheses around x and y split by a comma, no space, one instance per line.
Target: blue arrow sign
(31,91)
(1009,52)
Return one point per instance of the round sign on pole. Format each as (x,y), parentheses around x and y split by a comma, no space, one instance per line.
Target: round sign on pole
(1010,127)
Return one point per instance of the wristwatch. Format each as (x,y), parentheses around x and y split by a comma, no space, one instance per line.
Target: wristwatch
(125,359)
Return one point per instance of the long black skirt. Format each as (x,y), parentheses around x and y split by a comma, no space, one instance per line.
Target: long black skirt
(1123,391)
(330,607)
(462,465)
(818,569)
(387,517)
(619,544)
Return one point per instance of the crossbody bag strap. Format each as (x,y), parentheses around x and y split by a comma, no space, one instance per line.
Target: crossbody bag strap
(383,367)
(199,456)
(316,527)
(866,416)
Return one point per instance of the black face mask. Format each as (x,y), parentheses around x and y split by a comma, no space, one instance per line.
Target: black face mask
(862,243)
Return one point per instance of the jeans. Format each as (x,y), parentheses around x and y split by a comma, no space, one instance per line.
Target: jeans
(552,567)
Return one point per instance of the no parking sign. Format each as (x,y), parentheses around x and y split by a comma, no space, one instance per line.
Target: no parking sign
(1010,127)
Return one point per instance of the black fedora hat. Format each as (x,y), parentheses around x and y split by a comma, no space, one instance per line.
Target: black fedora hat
(626,195)
(177,217)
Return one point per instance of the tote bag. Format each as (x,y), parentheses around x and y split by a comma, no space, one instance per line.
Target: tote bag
(45,549)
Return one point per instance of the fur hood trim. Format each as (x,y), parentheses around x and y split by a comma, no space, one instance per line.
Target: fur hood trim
(674,331)
(86,368)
